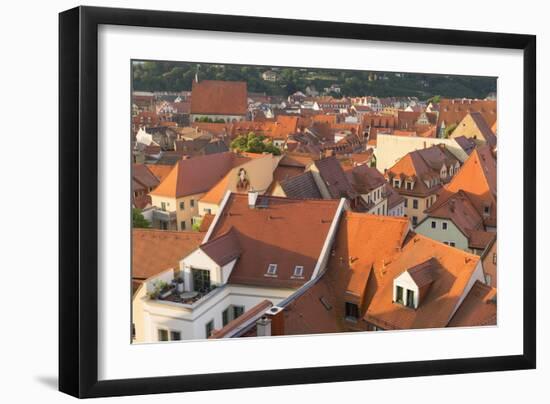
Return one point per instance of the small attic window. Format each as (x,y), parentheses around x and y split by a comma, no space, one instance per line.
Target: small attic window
(298,271)
(272,270)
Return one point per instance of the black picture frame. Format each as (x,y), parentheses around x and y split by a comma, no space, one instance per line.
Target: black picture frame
(78,196)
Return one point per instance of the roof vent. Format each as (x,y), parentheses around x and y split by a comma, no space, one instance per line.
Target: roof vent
(252,197)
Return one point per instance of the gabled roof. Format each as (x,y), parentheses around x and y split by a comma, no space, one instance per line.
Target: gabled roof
(282,231)
(224,248)
(364,179)
(214,97)
(142,175)
(160,171)
(197,174)
(422,165)
(334,178)
(302,186)
(451,276)
(478,178)
(460,210)
(473,124)
(452,111)
(424,273)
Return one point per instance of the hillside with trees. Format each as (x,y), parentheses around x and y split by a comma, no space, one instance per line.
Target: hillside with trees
(178,76)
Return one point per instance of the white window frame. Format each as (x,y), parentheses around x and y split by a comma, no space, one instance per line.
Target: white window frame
(298,271)
(271,270)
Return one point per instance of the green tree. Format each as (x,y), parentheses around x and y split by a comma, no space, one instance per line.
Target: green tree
(253,143)
(138,221)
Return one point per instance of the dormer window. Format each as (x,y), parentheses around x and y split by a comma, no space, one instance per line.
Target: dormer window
(399,294)
(410,299)
(396,182)
(271,270)
(486,210)
(408,185)
(352,311)
(298,271)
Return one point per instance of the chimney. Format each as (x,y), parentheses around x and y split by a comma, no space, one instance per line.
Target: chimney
(252,197)
(263,327)
(276,316)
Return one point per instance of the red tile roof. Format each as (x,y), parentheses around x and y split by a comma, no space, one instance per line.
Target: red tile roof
(460,210)
(334,178)
(213,97)
(365,179)
(197,174)
(154,251)
(452,111)
(478,178)
(479,308)
(452,271)
(142,175)
(223,249)
(362,241)
(279,231)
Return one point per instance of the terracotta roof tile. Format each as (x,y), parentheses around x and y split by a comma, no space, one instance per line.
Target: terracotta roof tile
(213,97)
(224,248)
(451,274)
(154,251)
(478,179)
(160,171)
(364,179)
(281,231)
(479,308)
(362,241)
(334,178)
(184,179)
(143,175)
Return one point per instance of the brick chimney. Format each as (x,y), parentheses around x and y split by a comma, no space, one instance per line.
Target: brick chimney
(276,315)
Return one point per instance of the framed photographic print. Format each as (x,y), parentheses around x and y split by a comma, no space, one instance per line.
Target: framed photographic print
(250,202)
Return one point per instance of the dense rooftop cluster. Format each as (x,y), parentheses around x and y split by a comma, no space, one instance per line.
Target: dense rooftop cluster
(311,213)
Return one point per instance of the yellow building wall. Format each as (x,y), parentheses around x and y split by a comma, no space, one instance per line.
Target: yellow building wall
(259,173)
(182,215)
(410,211)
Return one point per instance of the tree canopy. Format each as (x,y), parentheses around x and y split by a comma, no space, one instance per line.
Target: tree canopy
(138,221)
(179,76)
(253,143)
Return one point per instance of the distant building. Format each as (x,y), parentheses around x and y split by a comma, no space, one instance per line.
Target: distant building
(225,101)
(419,175)
(474,127)
(270,75)
(452,111)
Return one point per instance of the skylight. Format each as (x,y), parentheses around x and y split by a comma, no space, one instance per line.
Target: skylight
(272,269)
(298,271)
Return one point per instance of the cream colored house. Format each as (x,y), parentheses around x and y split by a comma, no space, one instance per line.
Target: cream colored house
(418,177)
(177,197)
(255,174)
(391,148)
